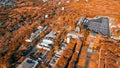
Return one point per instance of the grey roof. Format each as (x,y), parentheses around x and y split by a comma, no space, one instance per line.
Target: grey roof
(52,34)
(37,33)
(28,63)
(100,25)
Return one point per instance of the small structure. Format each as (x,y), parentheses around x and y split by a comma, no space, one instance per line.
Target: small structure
(46,41)
(115,37)
(63,45)
(45,44)
(58,54)
(77,29)
(86,0)
(59,2)
(63,8)
(46,16)
(93,34)
(68,39)
(39,45)
(44,0)
(90,47)
(71,35)
(68,1)
(53,61)
(28,63)
(52,34)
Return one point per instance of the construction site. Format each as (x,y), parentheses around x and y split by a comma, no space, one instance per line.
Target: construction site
(59,34)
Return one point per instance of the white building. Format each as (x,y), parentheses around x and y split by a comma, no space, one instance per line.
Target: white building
(52,34)
(44,0)
(71,35)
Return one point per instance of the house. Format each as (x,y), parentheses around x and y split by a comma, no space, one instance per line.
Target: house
(28,63)
(39,45)
(77,29)
(45,44)
(99,25)
(58,54)
(71,35)
(115,37)
(53,61)
(46,41)
(52,34)
(63,45)
(44,0)
(36,33)
(90,47)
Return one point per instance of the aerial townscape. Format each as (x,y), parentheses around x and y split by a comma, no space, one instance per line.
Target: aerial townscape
(59,33)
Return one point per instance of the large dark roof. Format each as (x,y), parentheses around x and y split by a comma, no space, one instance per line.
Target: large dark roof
(100,25)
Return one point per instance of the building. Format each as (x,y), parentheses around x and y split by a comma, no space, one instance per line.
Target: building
(45,44)
(78,29)
(28,63)
(44,0)
(53,61)
(52,34)
(46,41)
(71,35)
(99,25)
(36,34)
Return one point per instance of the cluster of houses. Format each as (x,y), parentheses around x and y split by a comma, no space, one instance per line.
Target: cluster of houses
(39,53)
(58,54)
(46,44)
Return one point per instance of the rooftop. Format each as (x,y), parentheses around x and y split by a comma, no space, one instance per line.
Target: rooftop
(99,25)
(28,63)
(52,34)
